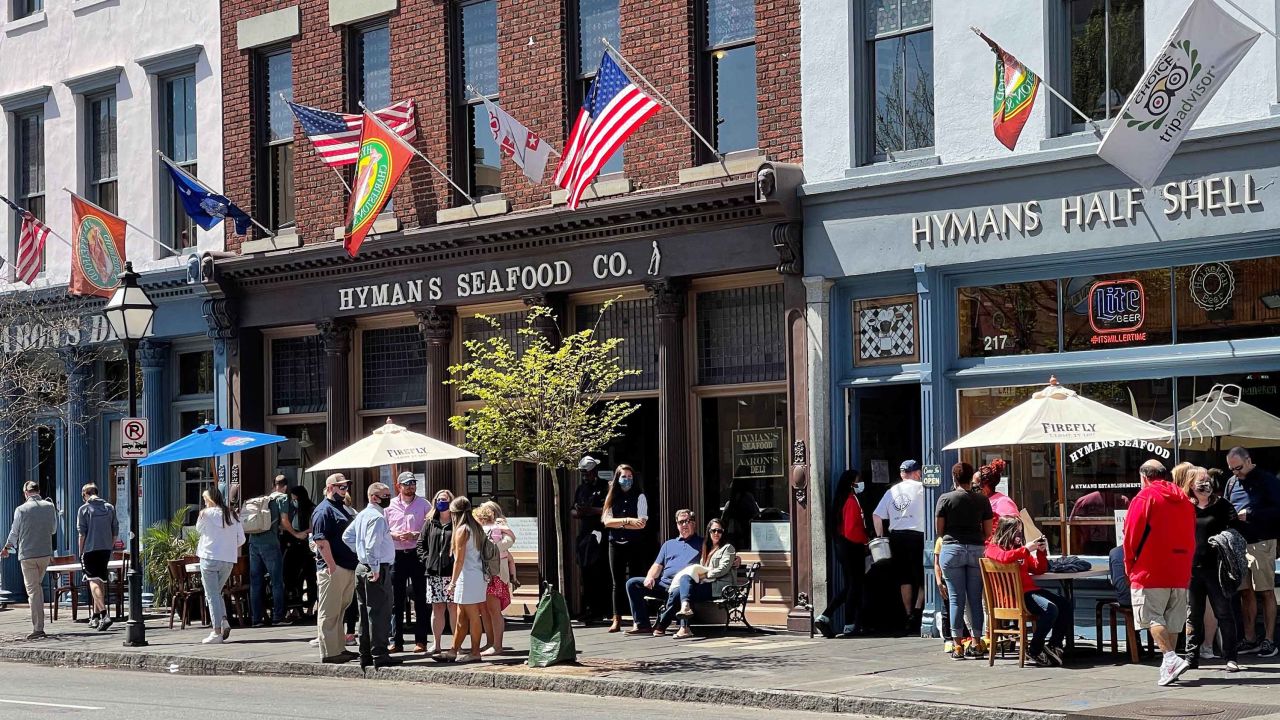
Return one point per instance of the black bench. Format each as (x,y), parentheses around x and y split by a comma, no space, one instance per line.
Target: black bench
(734,597)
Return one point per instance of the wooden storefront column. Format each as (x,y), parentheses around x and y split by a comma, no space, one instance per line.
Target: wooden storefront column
(787,240)
(436,324)
(336,336)
(675,487)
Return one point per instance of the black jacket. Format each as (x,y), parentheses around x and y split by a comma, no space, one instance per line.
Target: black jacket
(434,547)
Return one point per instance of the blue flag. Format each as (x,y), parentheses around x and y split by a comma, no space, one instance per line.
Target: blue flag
(204,206)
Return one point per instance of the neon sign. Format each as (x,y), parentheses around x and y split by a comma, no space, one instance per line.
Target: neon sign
(1117,310)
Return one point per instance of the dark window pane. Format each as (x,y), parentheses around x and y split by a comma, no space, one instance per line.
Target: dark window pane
(1220,411)
(279,81)
(102,138)
(744,440)
(195,373)
(30,154)
(509,324)
(486,161)
(106,196)
(375,67)
(1120,310)
(1095,25)
(888,95)
(918,90)
(634,322)
(23,8)
(740,337)
(596,19)
(1228,300)
(1012,319)
(180,118)
(735,102)
(298,377)
(480,47)
(730,21)
(281,178)
(395,368)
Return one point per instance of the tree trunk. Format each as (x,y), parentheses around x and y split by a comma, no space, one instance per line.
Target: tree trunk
(555,494)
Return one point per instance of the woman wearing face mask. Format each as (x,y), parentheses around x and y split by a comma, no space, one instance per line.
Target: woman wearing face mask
(626,512)
(1214,515)
(849,530)
(434,549)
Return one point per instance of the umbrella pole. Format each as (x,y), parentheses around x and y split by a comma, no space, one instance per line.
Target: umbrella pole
(1062,500)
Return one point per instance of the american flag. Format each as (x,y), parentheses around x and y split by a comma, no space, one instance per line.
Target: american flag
(614,108)
(336,136)
(31,237)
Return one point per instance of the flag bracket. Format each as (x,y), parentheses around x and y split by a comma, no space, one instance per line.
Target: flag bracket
(169,161)
(481,96)
(136,229)
(418,152)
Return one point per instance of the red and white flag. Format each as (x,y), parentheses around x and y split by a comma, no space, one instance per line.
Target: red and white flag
(517,142)
(614,109)
(336,136)
(30,255)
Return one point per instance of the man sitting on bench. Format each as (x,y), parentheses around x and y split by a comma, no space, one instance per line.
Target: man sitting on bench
(675,555)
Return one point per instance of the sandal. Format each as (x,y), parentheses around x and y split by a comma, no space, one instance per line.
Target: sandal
(639,631)
(446,656)
(683,634)
(616,626)
(659,632)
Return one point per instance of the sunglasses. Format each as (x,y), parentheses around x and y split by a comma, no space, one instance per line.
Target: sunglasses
(686,521)
(341,486)
(716,531)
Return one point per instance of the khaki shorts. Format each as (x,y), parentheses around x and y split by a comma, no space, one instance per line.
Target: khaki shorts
(1262,566)
(1166,607)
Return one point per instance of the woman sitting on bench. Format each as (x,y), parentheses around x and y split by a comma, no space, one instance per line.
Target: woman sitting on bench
(703,580)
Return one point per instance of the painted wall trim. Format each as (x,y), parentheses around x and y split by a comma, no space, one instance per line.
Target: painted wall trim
(170,60)
(26,99)
(344,12)
(268,28)
(104,79)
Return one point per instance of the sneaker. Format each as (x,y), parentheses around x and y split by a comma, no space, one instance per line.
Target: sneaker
(1232,666)
(351,641)
(36,635)
(1041,659)
(976,648)
(1171,669)
(849,631)
(1206,653)
(947,646)
(1267,649)
(226,629)
(215,638)
(957,653)
(1248,647)
(823,626)
(1055,654)
(93,621)
(106,622)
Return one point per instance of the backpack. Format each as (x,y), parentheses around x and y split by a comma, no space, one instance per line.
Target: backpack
(491,558)
(255,515)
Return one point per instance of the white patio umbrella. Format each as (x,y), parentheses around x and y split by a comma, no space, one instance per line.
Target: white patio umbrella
(1059,415)
(1220,419)
(389,445)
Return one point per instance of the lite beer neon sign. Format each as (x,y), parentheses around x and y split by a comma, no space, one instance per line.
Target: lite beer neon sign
(1117,310)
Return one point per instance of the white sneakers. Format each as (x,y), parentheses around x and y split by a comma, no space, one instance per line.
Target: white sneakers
(1206,652)
(215,638)
(1171,668)
(1232,666)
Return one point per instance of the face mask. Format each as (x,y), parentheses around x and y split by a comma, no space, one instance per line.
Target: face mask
(625,483)
(381,501)
(858,487)
(442,506)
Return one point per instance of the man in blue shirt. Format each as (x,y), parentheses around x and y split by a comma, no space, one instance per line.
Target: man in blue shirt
(370,537)
(335,568)
(1255,493)
(675,555)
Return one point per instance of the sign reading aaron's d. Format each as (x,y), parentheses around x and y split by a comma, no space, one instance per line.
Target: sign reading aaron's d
(757,453)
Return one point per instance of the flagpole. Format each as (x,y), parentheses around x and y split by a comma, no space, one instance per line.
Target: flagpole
(1255,20)
(169,161)
(1096,130)
(334,169)
(663,98)
(18,211)
(136,229)
(475,92)
(417,152)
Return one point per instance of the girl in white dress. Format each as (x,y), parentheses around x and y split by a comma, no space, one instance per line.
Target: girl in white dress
(468,583)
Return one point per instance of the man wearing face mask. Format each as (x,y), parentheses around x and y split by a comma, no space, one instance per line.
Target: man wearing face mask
(369,537)
(849,533)
(335,568)
(588,506)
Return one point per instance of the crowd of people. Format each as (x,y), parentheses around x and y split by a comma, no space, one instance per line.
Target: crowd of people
(1197,556)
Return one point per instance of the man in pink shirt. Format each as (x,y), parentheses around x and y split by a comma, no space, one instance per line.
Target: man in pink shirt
(405,517)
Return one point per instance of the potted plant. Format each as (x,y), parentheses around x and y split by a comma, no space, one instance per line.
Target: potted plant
(166,540)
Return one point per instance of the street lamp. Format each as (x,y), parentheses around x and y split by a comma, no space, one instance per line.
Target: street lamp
(130,312)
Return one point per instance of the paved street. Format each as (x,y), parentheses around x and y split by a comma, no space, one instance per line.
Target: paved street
(33,692)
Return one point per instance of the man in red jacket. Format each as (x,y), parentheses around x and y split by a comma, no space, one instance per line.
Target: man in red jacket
(1159,544)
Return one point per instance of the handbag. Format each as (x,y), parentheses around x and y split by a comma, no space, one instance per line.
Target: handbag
(499,589)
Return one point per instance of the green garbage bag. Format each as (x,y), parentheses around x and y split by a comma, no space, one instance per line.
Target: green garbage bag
(551,639)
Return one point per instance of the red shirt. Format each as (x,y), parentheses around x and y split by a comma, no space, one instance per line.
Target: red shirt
(1032,563)
(852,526)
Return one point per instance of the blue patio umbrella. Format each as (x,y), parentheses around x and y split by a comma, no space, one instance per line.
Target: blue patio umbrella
(210,440)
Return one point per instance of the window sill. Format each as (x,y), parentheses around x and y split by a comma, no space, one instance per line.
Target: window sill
(740,163)
(285,238)
(80,6)
(609,187)
(1075,139)
(482,209)
(24,23)
(386,222)
(890,166)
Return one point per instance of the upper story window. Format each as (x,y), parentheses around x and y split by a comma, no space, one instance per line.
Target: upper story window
(275,159)
(595,19)
(478,45)
(23,8)
(729,58)
(899,36)
(371,66)
(1104,56)
(178,130)
(29,163)
(101,151)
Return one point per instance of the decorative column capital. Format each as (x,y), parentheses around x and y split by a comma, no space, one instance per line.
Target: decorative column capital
(435,322)
(153,354)
(788,240)
(222,318)
(668,297)
(335,333)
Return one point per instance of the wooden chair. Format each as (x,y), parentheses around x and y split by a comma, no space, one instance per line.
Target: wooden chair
(116,581)
(236,591)
(1132,638)
(184,589)
(1002,590)
(64,583)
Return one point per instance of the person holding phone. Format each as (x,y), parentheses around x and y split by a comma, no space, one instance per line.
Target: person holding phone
(1054,613)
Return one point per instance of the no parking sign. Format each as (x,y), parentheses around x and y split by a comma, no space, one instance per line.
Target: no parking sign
(133,438)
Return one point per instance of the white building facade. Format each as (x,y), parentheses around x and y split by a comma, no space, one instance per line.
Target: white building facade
(950,277)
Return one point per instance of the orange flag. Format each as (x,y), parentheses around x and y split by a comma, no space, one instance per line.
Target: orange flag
(97,249)
(382,160)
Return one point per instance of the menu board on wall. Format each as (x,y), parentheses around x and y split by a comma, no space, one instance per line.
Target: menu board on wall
(757,453)
(770,536)
(526,530)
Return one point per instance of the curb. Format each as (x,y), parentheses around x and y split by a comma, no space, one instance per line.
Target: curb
(595,686)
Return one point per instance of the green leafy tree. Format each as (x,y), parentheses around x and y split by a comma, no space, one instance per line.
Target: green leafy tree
(544,399)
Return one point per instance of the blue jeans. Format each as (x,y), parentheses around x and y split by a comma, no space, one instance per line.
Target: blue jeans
(266,558)
(962,573)
(685,589)
(1052,612)
(214,575)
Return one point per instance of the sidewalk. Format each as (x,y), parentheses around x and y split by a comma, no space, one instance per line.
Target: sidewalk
(895,677)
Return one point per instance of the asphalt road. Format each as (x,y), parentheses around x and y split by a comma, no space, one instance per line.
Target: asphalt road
(34,692)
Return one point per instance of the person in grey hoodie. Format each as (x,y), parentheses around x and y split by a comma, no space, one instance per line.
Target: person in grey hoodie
(98,528)
(35,523)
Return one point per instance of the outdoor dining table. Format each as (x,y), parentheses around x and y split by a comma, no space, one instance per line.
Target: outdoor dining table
(75,567)
(1098,568)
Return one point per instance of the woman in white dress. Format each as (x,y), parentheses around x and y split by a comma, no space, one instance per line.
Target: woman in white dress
(468,583)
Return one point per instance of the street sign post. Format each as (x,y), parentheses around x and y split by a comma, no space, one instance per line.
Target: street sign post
(134,436)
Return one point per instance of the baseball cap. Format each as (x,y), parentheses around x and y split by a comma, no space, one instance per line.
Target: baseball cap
(587,463)
(30,486)
(909,466)
(407,478)
(335,479)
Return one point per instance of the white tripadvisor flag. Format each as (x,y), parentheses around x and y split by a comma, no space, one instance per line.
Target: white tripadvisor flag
(528,150)
(1205,46)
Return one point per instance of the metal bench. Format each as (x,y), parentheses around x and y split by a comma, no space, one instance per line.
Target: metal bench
(733,599)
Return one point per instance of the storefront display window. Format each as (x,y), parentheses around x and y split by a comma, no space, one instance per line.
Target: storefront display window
(633,321)
(298,379)
(1228,300)
(740,335)
(195,373)
(744,440)
(1219,412)
(1120,310)
(394,363)
(307,443)
(1012,319)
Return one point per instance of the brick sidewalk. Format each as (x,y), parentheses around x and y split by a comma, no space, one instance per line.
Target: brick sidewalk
(889,676)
